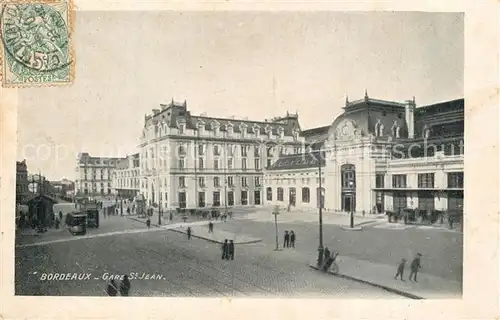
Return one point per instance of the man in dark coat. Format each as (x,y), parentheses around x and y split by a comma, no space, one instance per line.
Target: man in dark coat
(125,286)
(60,215)
(231,250)
(112,290)
(414,266)
(401,269)
(189,233)
(286,242)
(292,239)
(210,227)
(225,248)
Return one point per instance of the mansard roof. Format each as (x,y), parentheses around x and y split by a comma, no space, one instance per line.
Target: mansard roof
(299,161)
(173,112)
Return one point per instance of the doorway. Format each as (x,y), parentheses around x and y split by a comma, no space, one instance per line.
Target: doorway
(292,196)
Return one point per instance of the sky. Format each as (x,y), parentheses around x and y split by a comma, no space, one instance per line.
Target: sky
(244,64)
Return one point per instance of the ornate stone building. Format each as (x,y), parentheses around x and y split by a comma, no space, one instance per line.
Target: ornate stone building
(94,174)
(126,177)
(378,155)
(22,182)
(199,161)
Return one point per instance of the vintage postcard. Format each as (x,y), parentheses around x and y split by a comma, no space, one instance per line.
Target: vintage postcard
(238,155)
(36,43)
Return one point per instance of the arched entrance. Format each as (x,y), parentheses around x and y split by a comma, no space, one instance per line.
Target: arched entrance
(348,187)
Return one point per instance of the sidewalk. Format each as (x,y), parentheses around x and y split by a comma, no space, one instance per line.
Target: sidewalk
(301,216)
(382,276)
(165,219)
(218,236)
(29,232)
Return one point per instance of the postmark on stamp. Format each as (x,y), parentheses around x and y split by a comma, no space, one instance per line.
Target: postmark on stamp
(36,43)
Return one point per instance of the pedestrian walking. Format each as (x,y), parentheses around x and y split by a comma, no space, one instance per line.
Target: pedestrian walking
(128,211)
(286,242)
(401,269)
(125,286)
(189,233)
(292,239)
(171,216)
(225,247)
(414,266)
(148,222)
(326,253)
(210,227)
(231,250)
(112,290)
(60,215)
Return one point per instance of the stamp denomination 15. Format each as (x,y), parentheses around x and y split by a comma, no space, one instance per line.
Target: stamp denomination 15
(36,43)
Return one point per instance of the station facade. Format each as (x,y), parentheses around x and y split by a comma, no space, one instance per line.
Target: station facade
(377,156)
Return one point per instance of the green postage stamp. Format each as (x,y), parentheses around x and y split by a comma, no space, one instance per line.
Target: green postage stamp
(36,43)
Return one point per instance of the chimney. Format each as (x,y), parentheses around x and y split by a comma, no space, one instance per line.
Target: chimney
(409,117)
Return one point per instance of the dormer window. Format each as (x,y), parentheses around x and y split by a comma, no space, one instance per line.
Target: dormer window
(281,132)
(181,127)
(269,131)
(201,127)
(395,129)
(243,129)
(296,134)
(426,132)
(379,129)
(229,128)
(215,127)
(256,130)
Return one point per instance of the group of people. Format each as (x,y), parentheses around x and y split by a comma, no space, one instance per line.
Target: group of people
(289,239)
(414,267)
(228,250)
(124,288)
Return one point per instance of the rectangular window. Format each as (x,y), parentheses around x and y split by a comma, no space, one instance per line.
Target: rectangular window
(426,180)
(244,182)
(256,195)
(268,163)
(216,182)
(201,165)
(257,181)
(456,180)
(181,129)
(243,151)
(244,197)
(182,199)
(230,181)
(216,198)
(201,199)
(244,164)
(257,164)
(306,197)
(269,193)
(182,150)
(201,150)
(216,150)
(279,192)
(181,163)
(182,182)
(399,181)
(216,164)
(256,152)
(230,164)
(201,181)
(269,152)
(379,180)
(230,149)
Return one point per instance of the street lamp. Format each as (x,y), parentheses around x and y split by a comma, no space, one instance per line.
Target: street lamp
(320,201)
(275,213)
(351,224)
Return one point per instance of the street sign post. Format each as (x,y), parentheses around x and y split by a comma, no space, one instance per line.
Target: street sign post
(276,211)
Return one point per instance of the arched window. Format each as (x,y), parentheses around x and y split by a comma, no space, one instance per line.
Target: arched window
(269,193)
(279,194)
(306,195)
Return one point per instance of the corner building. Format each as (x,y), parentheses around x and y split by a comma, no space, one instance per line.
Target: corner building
(190,161)
(377,156)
